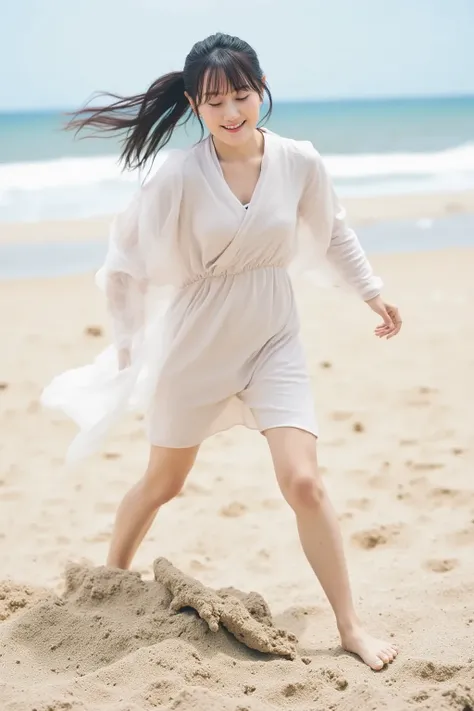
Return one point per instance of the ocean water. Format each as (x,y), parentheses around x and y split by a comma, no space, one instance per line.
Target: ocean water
(371,147)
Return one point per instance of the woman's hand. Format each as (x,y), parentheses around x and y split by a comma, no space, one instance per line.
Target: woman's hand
(392,322)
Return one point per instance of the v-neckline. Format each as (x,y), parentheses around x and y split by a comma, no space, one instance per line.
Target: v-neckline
(245,209)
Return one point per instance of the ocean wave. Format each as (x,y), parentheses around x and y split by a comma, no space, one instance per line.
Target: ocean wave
(453,160)
(70,188)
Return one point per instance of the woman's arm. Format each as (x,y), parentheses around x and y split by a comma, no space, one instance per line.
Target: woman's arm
(326,218)
(320,209)
(125,282)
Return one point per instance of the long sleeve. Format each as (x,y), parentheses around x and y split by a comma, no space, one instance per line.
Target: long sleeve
(123,276)
(141,254)
(325,217)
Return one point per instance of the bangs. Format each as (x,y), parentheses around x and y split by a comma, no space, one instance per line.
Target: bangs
(224,73)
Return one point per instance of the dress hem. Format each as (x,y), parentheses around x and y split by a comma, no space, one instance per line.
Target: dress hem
(311,431)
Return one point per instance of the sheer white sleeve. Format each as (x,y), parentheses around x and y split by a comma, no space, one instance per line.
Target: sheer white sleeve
(322,213)
(123,277)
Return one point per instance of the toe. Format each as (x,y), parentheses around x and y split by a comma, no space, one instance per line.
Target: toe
(376,663)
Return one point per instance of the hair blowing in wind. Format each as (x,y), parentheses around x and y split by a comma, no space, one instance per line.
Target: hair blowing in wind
(214,65)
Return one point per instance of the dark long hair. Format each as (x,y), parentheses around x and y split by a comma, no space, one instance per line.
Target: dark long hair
(215,65)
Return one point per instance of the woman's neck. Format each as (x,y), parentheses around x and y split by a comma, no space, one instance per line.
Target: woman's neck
(253,148)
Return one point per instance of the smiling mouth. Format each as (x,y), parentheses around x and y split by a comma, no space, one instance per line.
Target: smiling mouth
(234,127)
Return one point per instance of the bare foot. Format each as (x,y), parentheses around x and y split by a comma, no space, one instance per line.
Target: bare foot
(373,652)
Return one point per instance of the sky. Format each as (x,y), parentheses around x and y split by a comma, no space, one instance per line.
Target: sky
(57,53)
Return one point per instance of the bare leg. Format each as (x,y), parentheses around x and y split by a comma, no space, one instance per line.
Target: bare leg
(164,478)
(296,467)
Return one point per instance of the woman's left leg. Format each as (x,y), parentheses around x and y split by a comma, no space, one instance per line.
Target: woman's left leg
(295,461)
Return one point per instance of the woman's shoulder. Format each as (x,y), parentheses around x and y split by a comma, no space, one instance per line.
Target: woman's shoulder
(169,171)
(302,153)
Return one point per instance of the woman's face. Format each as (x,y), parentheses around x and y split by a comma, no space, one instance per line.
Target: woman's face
(231,117)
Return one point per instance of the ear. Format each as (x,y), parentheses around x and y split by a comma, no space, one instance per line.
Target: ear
(191,102)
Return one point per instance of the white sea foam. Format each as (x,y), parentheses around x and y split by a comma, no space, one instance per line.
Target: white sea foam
(85,187)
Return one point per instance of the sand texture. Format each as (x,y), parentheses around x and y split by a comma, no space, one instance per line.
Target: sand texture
(221,611)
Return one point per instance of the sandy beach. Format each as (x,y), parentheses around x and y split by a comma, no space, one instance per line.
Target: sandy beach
(397,456)
(360,211)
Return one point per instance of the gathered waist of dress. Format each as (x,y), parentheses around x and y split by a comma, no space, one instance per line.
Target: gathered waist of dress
(221,274)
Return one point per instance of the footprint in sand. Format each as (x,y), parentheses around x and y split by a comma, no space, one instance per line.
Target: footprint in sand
(441,565)
(341,415)
(101,537)
(111,455)
(105,507)
(363,504)
(334,678)
(233,510)
(94,331)
(10,495)
(463,537)
(404,495)
(432,671)
(445,495)
(345,516)
(426,390)
(272,504)
(193,487)
(374,537)
(426,466)
(379,481)
(420,396)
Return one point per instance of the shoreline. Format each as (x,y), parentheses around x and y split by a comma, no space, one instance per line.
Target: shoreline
(360,211)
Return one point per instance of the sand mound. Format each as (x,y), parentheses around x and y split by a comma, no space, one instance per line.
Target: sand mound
(114,641)
(15,597)
(105,615)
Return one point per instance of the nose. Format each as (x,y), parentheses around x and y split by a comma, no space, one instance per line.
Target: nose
(231,111)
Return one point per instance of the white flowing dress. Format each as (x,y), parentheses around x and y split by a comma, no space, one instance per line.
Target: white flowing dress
(199,289)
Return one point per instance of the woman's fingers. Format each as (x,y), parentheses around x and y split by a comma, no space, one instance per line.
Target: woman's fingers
(397,321)
(391,325)
(392,322)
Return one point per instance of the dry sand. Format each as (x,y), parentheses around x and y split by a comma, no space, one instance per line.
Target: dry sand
(396,452)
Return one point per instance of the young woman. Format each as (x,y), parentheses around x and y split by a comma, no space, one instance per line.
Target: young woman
(220,223)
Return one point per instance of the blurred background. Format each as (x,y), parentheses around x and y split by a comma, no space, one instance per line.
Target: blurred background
(384,89)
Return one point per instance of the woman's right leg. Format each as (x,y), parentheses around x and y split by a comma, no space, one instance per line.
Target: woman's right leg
(163,480)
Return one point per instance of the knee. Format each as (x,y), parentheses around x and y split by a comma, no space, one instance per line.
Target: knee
(161,485)
(303,488)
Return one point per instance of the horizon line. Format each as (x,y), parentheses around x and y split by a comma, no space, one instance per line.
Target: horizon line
(282,100)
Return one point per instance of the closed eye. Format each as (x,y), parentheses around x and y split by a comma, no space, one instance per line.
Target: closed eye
(237,98)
